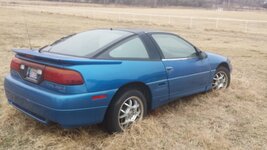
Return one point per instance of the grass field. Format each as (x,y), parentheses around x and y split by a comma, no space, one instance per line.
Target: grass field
(235,118)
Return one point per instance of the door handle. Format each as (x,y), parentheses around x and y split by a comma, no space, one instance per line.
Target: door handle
(169,69)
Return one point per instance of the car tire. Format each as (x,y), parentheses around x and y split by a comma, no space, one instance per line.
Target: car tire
(221,78)
(120,111)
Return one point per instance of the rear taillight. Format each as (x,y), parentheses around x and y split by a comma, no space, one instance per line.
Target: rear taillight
(15,64)
(62,76)
(56,75)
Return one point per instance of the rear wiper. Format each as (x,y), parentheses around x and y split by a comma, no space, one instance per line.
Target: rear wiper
(57,41)
(43,48)
(62,39)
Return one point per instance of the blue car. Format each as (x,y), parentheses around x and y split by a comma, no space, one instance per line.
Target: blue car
(110,76)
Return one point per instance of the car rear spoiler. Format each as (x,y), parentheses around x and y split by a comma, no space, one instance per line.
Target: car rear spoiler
(46,57)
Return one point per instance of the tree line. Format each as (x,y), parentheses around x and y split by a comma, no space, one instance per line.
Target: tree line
(190,3)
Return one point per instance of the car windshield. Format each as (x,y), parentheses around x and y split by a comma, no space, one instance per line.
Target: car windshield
(85,43)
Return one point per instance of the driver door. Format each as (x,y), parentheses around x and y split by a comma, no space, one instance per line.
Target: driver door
(187,72)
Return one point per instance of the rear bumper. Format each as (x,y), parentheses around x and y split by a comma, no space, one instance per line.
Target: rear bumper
(47,106)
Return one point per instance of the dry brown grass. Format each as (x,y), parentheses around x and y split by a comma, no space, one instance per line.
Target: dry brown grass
(232,119)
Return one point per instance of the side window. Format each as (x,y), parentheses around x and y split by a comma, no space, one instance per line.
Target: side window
(133,49)
(173,46)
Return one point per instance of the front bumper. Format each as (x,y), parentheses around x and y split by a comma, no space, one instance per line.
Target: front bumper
(47,106)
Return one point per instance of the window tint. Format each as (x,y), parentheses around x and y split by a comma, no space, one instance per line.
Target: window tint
(173,46)
(133,48)
(85,43)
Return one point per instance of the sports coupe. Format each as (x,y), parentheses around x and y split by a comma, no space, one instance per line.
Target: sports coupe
(110,76)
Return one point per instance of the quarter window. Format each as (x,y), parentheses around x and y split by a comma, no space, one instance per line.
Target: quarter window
(132,49)
(173,46)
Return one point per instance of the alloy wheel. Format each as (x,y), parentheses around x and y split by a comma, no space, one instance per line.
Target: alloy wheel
(220,81)
(131,111)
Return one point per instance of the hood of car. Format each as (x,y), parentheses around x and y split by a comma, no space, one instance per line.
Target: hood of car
(216,56)
(215,60)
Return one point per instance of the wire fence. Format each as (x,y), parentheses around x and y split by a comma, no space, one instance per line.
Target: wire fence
(192,22)
(229,24)
(247,26)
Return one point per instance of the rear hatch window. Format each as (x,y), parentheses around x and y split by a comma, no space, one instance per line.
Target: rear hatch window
(85,44)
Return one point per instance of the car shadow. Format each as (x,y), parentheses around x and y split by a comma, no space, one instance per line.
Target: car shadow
(97,130)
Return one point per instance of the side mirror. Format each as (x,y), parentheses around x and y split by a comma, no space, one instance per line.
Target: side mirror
(202,55)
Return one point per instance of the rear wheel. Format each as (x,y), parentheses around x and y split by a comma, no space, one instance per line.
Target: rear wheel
(128,107)
(221,79)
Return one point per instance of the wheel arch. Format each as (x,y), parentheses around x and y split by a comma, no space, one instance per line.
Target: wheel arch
(142,87)
(227,67)
(224,64)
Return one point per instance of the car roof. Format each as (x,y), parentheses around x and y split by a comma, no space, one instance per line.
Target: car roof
(137,30)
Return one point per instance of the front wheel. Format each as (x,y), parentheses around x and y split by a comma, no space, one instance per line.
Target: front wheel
(126,109)
(221,79)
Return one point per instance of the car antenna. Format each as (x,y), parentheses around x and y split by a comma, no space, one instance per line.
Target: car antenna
(26,26)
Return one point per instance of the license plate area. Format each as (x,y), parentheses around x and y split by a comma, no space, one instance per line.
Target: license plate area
(33,74)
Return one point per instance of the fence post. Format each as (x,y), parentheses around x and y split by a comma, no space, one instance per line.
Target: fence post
(246,26)
(217,23)
(191,22)
(93,15)
(119,18)
(133,18)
